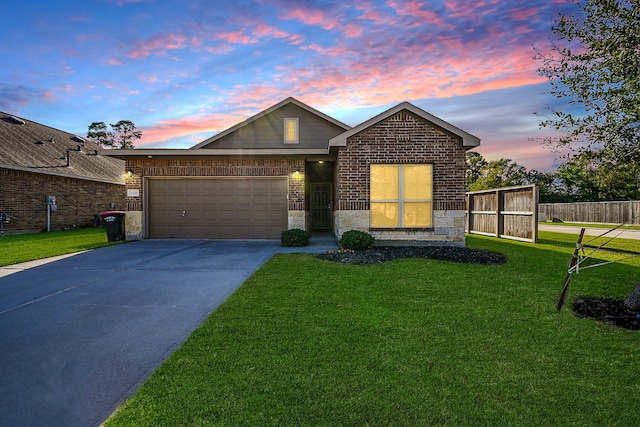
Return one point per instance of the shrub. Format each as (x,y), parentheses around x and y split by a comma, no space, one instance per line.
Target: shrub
(357,240)
(295,237)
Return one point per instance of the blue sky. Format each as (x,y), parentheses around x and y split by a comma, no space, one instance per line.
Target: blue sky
(183,71)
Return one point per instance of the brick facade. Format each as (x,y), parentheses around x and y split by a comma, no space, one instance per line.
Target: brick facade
(24,193)
(401,139)
(219,167)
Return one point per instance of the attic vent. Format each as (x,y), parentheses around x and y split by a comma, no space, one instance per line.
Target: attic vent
(76,138)
(17,120)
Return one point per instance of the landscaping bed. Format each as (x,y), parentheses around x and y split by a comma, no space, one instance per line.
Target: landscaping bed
(607,310)
(388,253)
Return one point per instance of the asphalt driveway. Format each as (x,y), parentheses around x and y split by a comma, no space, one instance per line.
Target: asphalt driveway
(80,335)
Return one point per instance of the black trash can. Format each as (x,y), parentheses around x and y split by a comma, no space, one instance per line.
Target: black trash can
(113,222)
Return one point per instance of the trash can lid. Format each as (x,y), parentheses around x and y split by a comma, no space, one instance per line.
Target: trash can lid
(108,213)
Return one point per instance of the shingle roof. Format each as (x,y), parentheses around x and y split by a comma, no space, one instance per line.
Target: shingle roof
(34,147)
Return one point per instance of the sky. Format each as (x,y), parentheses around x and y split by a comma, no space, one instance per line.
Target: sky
(183,71)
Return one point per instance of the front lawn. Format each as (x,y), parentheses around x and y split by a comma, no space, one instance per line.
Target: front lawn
(28,247)
(409,342)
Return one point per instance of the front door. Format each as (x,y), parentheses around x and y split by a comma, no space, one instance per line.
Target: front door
(321,209)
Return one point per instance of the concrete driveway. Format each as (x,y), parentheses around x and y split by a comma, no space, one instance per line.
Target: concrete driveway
(594,232)
(80,335)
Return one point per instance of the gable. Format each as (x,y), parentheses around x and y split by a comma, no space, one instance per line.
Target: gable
(266,130)
(406,128)
(466,139)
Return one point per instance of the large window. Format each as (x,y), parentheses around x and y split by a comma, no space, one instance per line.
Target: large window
(290,131)
(401,196)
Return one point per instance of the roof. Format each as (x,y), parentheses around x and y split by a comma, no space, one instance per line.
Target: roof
(468,140)
(268,111)
(33,147)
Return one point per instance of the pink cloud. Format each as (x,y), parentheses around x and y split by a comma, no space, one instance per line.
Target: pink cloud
(523,14)
(159,43)
(313,17)
(352,30)
(186,127)
(235,37)
(415,9)
(150,78)
(264,30)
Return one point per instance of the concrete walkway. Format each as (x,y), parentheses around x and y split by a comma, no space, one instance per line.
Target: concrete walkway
(623,234)
(80,334)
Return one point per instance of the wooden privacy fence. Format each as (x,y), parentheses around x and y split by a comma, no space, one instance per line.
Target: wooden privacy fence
(603,212)
(510,212)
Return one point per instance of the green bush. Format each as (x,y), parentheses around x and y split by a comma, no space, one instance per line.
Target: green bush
(295,238)
(357,240)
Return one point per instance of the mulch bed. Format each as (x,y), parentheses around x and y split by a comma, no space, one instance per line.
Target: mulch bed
(382,254)
(607,310)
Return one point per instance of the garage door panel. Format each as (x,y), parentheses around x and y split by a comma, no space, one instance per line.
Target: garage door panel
(223,208)
(244,185)
(226,186)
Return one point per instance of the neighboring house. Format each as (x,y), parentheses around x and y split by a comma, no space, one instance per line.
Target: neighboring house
(37,161)
(399,176)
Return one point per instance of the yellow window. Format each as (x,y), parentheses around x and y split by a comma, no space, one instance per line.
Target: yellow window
(291,131)
(385,181)
(417,214)
(384,215)
(417,182)
(401,196)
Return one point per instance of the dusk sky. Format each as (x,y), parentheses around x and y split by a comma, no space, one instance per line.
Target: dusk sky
(184,71)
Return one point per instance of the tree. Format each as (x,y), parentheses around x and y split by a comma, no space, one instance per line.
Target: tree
(594,63)
(120,136)
(579,178)
(474,163)
(500,173)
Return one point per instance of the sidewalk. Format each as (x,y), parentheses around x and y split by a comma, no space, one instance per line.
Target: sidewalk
(568,229)
(15,268)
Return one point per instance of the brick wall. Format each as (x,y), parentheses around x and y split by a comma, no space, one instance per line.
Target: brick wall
(23,196)
(211,166)
(401,139)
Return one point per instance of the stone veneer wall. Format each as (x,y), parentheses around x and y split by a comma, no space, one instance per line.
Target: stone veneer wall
(23,196)
(403,138)
(212,167)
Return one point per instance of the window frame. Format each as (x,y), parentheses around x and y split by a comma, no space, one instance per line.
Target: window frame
(295,122)
(400,201)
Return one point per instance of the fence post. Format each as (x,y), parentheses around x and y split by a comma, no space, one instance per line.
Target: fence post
(534,209)
(499,221)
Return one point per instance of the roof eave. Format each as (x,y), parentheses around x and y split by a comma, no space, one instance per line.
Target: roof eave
(185,152)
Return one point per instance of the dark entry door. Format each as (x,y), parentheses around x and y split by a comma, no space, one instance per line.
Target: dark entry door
(321,209)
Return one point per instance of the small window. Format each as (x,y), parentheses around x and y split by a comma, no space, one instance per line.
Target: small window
(290,131)
(401,196)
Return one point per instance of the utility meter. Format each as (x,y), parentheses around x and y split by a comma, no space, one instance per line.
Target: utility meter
(51,202)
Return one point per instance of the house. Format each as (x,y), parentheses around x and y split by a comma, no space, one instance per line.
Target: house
(399,176)
(37,161)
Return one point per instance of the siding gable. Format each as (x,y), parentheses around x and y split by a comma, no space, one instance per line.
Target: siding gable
(267,131)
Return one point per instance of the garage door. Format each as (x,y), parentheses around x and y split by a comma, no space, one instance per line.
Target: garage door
(217,208)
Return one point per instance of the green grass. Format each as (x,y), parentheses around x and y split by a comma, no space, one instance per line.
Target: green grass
(28,247)
(410,342)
